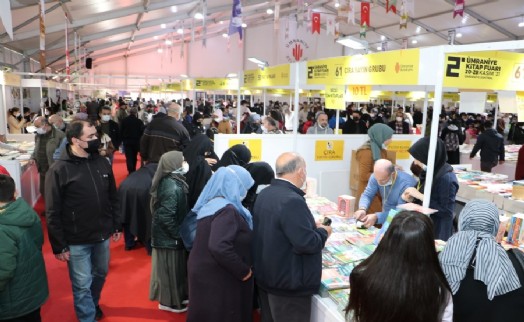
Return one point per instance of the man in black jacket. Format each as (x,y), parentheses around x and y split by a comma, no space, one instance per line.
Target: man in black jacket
(491,146)
(288,245)
(131,131)
(110,128)
(82,214)
(355,125)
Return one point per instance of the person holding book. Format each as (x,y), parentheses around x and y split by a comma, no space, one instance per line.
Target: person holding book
(486,280)
(402,280)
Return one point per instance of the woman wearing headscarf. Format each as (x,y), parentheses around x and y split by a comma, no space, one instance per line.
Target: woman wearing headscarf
(200,156)
(262,174)
(238,154)
(169,207)
(369,152)
(222,124)
(444,188)
(486,281)
(220,275)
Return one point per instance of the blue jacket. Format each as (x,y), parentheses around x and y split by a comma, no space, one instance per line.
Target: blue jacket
(391,195)
(287,243)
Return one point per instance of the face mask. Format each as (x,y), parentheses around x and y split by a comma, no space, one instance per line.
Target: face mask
(389,183)
(46,112)
(92,146)
(41,130)
(17,114)
(321,126)
(264,129)
(399,119)
(149,117)
(106,118)
(384,146)
(61,127)
(424,167)
(184,169)
(372,114)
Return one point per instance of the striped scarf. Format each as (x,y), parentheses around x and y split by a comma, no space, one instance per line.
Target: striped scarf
(479,220)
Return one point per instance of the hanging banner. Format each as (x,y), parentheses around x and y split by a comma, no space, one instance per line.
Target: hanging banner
(490,70)
(459,8)
(6,17)
(399,67)
(391,5)
(254,145)
(235,24)
(42,35)
(359,93)
(216,83)
(364,14)
(68,70)
(330,25)
(270,76)
(315,24)
(334,97)
(329,150)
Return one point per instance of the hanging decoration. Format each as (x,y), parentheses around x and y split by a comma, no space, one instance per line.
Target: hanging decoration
(315,22)
(404,43)
(364,18)
(330,24)
(351,14)
(409,6)
(391,5)
(363,30)
(286,28)
(403,17)
(204,27)
(337,30)
(6,17)
(42,35)
(459,8)
(68,70)
(276,24)
(235,24)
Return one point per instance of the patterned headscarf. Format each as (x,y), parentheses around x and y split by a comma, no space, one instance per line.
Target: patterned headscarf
(479,223)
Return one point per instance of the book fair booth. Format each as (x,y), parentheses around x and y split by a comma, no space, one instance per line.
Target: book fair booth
(425,73)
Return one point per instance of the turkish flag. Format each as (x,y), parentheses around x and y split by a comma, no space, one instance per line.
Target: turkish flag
(364,13)
(315,22)
(391,5)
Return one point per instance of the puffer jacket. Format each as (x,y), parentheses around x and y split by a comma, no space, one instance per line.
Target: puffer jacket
(23,280)
(169,211)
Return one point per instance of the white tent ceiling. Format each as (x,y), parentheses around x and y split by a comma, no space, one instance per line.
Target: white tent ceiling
(114,28)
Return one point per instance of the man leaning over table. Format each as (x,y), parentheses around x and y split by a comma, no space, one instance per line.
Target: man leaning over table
(390,183)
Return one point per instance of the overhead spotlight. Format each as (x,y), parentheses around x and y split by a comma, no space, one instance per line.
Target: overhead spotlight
(269,11)
(337,4)
(180,31)
(465,19)
(379,48)
(199,16)
(155,37)
(163,26)
(221,22)
(159,50)
(458,35)
(169,42)
(418,30)
(174,9)
(521,24)
(414,41)
(244,25)
(382,38)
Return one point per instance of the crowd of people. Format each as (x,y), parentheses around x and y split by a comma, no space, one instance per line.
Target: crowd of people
(257,243)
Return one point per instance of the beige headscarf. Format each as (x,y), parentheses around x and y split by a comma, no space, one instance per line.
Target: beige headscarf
(170,164)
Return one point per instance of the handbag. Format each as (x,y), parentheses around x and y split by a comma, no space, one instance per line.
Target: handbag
(188,229)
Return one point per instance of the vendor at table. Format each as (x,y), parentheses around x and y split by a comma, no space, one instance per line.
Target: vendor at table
(390,183)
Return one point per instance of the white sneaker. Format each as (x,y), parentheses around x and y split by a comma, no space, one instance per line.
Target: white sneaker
(170,309)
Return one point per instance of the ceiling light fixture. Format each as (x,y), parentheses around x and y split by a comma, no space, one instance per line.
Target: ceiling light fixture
(244,25)
(180,31)
(159,50)
(521,23)
(163,26)
(174,9)
(261,63)
(414,41)
(225,35)
(198,16)
(184,76)
(269,11)
(379,48)
(232,75)
(353,42)
(418,30)
(337,4)
(382,38)
(458,35)
(465,19)
(169,42)
(155,37)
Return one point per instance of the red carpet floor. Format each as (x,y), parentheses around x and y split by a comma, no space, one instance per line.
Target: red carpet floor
(125,297)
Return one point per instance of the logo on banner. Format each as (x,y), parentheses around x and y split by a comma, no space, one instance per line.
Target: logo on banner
(475,67)
(296,48)
(403,68)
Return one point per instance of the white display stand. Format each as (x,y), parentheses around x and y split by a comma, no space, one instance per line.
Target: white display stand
(323,309)
(332,176)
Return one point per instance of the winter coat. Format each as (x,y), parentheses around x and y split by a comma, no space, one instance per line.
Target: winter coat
(491,146)
(23,280)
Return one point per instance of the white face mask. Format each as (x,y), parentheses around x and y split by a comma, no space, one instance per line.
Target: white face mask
(389,183)
(46,112)
(41,130)
(106,118)
(264,129)
(17,114)
(384,146)
(149,117)
(399,119)
(61,127)
(185,167)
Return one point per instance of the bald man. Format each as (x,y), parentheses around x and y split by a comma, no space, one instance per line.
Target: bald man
(288,245)
(390,183)
(57,122)
(47,140)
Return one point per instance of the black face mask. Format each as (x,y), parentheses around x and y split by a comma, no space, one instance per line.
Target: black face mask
(92,146)
(416,169)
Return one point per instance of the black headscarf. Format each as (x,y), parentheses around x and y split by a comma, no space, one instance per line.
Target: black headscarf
(262,173)
(420,151)
(199,172)
(236,155)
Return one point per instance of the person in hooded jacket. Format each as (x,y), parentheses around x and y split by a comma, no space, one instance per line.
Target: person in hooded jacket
(262,174)
(491,146)
(23,279)
(238,154)
(200,156)
(443,190)
(453,137)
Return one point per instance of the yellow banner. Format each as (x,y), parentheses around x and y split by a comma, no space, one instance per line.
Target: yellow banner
(520,105)
(216,83)
(270,76)
(401,148)
(492,70)
(330,150)
(334,96)
(398,67)
(359,93)
(254,145)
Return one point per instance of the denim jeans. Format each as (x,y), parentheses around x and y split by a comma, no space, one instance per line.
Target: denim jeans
(88,266)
